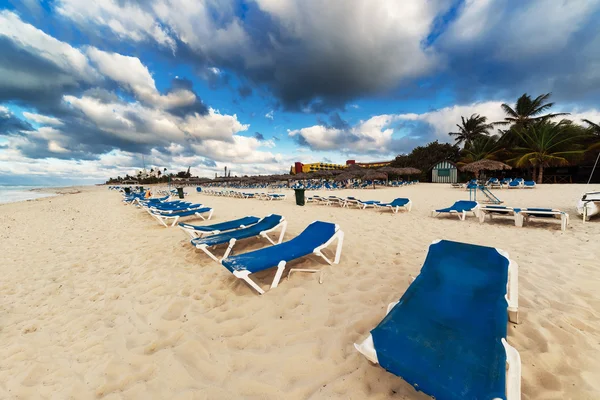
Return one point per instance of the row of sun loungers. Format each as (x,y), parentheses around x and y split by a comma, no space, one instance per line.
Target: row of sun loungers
(508,183)
(462,208)
(447,333)
(394,206)
(245,195)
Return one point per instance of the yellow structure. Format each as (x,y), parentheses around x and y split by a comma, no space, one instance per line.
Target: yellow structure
(306,168)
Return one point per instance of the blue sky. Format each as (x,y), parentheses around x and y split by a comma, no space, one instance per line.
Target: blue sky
(87,88)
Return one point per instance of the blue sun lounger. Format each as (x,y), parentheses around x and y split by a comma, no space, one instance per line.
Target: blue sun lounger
(447,334)
(196,231)
(262,228)
(163,216)
(359,203)
(395,205)
(316,237)
(529,184)
(460,208)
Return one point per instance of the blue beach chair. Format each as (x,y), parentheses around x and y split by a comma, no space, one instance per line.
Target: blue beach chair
(529,184)
(196,231)
(175,215)
(316,237)
(262,228)
(447,334)
(395,205)
(459,208)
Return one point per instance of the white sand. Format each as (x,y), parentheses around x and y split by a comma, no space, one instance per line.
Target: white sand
(99,301)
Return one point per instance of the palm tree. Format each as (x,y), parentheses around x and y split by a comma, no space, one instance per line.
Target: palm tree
(527,111)
(482,148)
(471,128)
(545,144)
(593,127)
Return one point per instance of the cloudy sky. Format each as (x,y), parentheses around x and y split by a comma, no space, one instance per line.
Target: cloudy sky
(89,86)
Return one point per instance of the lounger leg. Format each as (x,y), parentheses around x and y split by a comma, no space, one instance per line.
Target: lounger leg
(338,250)
(283,228)
(159,218)
(244,275)
(409,206)
(482,217)
(175,220)
(513,292)
(513,376)
(231,244)
(280,268)
(204,248)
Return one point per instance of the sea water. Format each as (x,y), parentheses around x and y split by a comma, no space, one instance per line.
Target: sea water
(10,194)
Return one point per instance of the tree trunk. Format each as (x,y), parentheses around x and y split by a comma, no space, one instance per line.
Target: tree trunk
(535,170)
(541,174)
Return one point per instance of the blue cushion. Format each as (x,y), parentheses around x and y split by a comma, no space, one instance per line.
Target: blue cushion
(313,236)
(444,336)
(264,224)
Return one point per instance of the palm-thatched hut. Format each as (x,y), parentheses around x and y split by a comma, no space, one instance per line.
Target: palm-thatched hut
(484,165)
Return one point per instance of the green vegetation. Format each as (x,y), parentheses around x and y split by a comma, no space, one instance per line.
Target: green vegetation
(529,138)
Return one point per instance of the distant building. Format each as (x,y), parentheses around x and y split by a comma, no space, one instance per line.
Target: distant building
(444,172)
(299,167)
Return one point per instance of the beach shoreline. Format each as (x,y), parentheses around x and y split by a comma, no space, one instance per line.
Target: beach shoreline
(100,301)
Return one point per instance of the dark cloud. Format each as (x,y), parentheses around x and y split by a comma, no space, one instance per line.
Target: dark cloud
(197,107)
(11,125)
(259,136)
(335,122)
(30,79)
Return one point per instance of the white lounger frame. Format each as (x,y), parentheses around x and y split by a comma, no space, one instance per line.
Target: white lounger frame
(198,234)
(395,209)
(163,218)
(513,359)
(523,215)
(339,236)
(500,212)
(462,215)
(265,234)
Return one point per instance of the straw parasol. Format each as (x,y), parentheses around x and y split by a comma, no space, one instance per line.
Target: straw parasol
(484,165)
(344,177)
(409,171)
(374,175)
(356,170)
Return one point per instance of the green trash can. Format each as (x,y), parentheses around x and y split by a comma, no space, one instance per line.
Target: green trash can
(299,196)
(180,192)
(127,190)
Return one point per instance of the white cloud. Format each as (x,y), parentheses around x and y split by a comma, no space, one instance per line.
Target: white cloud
(36,42)
(134,75)
(242,150)
(524,33)
(126,19)
(213,125)
(373,134)
(444,120)
(270,115)
(42,119)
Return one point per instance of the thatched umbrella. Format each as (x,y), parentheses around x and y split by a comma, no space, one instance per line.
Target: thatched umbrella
(374,175)
(344,177)
(484,165)
(336,172)
(356,170)
(409,171)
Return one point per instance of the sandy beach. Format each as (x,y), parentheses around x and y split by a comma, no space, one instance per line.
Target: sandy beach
(99,301)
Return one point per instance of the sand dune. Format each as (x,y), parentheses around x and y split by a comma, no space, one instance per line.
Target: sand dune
(100,301)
